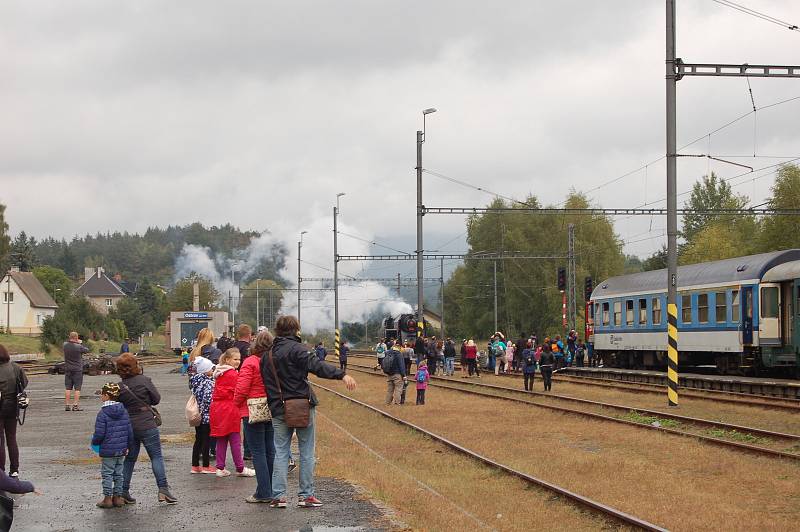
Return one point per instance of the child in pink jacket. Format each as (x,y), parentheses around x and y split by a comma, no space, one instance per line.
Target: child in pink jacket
(422,379)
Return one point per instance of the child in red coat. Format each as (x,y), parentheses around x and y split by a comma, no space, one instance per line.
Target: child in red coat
(226,417)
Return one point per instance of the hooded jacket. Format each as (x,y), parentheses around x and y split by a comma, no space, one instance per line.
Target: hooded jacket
(112,430)
(202,387)
(226,417)
(293,362)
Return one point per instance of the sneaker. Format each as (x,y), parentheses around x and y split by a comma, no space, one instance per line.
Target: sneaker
(196,470)
(67,408)
(278,503)
(254,499)
(208,470)
(14,474)
(77,408)
(292,466)
(223,473)
(309,502)
(246,472)
(248,457)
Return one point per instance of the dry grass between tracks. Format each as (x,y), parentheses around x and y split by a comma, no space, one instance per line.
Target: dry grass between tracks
(758,417)
(673,481)
(494,499)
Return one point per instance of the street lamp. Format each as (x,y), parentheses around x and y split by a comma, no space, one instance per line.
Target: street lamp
(234,267)
(420,295)
(336,275)
(299,279)
(258,314)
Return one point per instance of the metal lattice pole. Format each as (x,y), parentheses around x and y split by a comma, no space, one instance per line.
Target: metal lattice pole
(572,305)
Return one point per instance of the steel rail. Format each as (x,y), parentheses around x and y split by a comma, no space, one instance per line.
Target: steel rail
(754,449)
(724,396)
(571,495)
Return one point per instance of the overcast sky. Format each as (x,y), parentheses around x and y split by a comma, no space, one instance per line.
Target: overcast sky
(124,115)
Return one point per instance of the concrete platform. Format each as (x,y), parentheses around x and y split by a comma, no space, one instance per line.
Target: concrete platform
(54,455)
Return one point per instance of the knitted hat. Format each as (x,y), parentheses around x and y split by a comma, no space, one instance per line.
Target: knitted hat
(110,389)
(203,365)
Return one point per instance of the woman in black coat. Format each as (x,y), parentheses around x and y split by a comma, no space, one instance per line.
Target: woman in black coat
(10,374)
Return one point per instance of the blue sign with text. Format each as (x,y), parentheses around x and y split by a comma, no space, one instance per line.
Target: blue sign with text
(196,315)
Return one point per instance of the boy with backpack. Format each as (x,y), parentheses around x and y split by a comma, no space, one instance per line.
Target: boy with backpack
(422,379)
(113,436)
(380,351)
(395,369)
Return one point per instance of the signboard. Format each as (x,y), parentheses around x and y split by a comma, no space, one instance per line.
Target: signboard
(196,315)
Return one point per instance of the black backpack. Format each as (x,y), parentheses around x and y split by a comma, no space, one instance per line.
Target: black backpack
(388,361)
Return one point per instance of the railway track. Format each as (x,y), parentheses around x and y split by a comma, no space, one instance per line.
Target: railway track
(607,511)
(782,403)
(724,429)
(44,369)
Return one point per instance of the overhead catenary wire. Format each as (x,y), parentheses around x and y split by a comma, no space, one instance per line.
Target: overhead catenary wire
(752,12)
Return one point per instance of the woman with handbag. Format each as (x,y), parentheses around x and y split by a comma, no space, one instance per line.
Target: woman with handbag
(258,432)
(292,404)
(139,395)
(12,381)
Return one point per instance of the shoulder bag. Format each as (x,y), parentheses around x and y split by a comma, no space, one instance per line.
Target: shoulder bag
(156,413)
(22,397)
(296,411)
(192,412)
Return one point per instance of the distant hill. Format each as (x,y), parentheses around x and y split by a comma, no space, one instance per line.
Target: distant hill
(149,256)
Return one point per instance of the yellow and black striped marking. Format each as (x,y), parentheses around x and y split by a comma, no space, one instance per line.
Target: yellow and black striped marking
(672,354)
(336,342)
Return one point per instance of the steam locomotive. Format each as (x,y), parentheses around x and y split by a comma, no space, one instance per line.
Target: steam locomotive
(402,327)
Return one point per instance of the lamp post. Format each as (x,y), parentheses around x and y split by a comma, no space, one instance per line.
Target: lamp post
(336,275)
(258,315)
(299,279)
(234,267)
(420,295)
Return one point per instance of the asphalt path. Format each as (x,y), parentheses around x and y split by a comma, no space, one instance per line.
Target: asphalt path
(55,456)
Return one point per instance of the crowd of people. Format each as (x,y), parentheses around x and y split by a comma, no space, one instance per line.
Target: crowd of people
(524,356)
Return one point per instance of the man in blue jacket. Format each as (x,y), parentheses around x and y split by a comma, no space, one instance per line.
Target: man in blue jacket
(113,436)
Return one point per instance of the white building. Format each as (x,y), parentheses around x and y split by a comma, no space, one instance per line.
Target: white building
(25,303)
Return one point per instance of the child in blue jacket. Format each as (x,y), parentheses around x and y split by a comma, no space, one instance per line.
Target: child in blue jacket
(114,435)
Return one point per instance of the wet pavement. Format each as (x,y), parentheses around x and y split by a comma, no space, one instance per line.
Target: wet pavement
(55,456)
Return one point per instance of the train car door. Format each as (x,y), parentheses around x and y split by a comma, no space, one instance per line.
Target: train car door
(769,324)
(747,315)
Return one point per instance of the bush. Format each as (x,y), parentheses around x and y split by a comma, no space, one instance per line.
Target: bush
(75,314)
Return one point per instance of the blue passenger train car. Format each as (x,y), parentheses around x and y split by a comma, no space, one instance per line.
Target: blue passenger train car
(740,314)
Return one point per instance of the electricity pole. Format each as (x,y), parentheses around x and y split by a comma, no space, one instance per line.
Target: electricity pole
(441,293)
(572,310)
(420,213)
(495,295)
(299,279)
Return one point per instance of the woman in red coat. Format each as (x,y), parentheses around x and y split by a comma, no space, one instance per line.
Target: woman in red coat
(226,417)
(472,358)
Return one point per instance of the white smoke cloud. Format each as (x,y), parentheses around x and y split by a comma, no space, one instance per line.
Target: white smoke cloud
(356,301)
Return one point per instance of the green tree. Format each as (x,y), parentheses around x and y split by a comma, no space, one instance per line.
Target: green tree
(152,304)
(5,241)
(714,242)
(180,297)
(129,313)
(656,261)
(709,193)
(55,281)
(783,232)
(24,252)
(76,314)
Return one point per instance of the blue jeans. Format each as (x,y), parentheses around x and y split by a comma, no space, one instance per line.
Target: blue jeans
(283,440)
(262,447)
(490,363)
(111,472)
(150,438)
(449,365)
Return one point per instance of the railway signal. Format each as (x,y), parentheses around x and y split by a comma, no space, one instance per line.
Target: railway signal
(587,288)
(562,279)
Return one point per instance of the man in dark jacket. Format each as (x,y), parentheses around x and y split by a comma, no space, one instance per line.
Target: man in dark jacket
(73,370)
(521,345)
(419,348)
(285,372)
(396,375)
(449,357)
(244,336)
(113,435)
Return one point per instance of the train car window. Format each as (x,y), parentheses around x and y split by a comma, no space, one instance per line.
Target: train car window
(606,314)
(722,307)
(617,313)
(629,312)
(769,302)
(642,312)
(656,306)
(735,317)
(686,308)
(702,308)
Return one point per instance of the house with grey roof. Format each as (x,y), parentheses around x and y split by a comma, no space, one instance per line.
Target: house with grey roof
(102,292)
(25,303)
